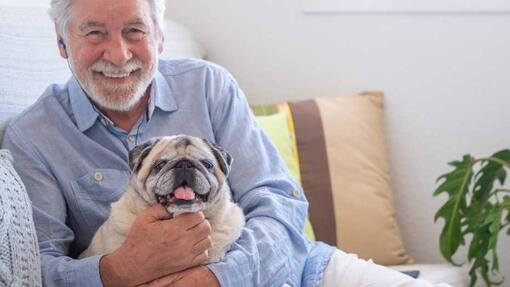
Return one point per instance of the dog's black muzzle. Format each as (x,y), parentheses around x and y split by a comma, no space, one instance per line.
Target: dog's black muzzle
(184,174)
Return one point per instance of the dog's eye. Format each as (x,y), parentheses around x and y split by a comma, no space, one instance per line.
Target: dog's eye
(207,164)
(159,165)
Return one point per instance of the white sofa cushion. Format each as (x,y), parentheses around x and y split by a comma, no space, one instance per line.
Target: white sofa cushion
(29,59)
(439,273)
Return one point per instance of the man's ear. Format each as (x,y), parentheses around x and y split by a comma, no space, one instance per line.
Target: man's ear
(62,46)
(161,44)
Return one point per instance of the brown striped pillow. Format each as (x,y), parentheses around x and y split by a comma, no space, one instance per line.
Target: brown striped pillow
(344,171)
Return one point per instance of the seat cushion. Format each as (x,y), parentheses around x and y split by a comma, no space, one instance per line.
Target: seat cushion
(439,273)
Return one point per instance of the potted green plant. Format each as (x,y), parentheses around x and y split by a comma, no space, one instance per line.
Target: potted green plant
(477,209)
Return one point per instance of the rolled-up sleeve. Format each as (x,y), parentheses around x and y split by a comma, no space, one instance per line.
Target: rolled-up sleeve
(272,249)
(49,212)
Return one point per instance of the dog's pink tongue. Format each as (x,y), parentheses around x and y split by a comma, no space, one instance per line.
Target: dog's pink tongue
(184,193)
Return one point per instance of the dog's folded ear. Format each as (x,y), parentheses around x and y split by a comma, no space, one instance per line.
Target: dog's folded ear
(222,156)
(139,152)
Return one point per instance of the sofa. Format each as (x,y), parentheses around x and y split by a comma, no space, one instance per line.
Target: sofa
(334,146)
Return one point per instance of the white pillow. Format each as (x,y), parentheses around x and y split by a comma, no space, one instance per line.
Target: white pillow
(30,61)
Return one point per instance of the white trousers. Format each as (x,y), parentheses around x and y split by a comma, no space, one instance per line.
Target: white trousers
(347,270)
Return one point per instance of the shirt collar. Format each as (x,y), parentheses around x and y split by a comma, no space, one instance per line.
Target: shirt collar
(86,115)
(164,99)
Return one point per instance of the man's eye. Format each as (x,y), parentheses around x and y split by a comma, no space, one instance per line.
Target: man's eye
(94,33)
(135,34)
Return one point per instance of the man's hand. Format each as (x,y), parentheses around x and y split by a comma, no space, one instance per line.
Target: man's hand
(157,245)
(200,276)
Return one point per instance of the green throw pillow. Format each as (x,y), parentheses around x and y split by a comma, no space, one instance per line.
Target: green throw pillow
(276,128)
(274,122)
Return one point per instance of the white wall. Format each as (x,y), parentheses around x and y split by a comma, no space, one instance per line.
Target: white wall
(19,3)
(445,78)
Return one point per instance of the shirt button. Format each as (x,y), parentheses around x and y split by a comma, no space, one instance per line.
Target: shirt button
(131,138)
(98,176)
(295,193)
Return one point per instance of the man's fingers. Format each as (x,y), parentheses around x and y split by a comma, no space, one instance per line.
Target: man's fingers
(190,220)
(202,229)
(200,258)
(202,245)
(155,213)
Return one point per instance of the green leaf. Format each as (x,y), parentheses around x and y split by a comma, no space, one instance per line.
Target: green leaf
(503,155)
(485,273)
(502,176)
(475,215)
(456,184)
(474,278)
(478,243)
(475,208)
(458,171)
(506,205)
(484,180)
(494,228)
(494,218)
(495,261)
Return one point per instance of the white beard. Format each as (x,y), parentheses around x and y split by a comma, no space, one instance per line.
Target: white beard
(118,97)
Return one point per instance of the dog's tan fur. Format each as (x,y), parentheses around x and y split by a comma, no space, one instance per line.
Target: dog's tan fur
(225,217)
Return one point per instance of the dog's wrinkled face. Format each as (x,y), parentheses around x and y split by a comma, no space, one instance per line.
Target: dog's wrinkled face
(183,173)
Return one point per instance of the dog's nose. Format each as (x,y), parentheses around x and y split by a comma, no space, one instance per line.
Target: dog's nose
(184,164)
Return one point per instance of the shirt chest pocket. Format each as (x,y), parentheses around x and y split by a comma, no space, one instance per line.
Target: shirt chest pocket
(95,191)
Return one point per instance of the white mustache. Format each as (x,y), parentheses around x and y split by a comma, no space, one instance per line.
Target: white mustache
(113,71)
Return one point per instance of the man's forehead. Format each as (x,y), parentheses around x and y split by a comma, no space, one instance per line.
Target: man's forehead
(99,12)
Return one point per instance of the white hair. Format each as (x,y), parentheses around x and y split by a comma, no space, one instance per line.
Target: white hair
(60,13)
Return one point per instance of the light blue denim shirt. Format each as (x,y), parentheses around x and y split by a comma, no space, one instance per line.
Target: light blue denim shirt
(73,162)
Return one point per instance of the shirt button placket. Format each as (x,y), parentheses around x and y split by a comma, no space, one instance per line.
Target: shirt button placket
(131,141)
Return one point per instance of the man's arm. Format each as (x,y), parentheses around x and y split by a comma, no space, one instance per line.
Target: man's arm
(272,248)
(199,276)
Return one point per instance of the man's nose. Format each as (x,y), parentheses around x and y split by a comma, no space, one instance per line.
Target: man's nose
(117,51)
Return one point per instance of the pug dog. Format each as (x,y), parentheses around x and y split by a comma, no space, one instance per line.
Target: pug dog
(184,174)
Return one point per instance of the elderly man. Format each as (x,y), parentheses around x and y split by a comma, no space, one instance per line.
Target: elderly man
(71,150)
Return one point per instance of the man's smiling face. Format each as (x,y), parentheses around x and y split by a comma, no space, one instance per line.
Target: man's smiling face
(113,48)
